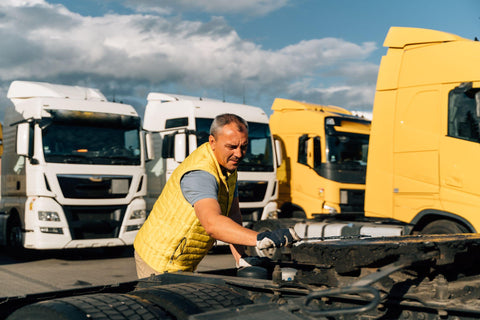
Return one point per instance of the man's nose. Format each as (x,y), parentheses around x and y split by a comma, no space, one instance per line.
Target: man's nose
(238,152)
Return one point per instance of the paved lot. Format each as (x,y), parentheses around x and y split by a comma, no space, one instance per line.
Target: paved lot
(67,270)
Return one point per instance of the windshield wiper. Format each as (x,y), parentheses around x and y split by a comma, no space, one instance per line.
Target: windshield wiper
(77,158)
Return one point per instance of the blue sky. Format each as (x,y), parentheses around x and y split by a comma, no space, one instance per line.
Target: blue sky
(320,51)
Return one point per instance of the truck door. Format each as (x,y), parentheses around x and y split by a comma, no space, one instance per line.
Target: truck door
(416,152)
(459,165)
(307,183)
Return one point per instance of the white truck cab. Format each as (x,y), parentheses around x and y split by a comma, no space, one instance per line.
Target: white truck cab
(178,124)
(73,173)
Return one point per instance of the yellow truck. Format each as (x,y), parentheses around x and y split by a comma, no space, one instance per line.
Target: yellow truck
(424,145)
(425,139)
(325,151)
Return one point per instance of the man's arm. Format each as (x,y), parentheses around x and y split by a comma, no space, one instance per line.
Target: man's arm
(220,227)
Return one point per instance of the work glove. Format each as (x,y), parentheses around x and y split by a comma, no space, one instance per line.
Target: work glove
(276,238)
(247,261)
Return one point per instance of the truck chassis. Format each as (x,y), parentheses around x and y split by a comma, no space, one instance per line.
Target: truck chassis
(406,277)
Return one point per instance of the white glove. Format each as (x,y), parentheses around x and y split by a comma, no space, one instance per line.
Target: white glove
(276,238)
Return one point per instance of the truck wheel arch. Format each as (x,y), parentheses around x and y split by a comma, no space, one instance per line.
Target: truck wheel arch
(429,216)
(290,210)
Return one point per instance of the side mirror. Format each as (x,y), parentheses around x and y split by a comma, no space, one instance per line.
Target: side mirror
(23,139)
(150,151)
(278,152)
(180,147)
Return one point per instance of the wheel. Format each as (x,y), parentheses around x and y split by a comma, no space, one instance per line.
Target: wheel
(299,214)
(443,226)
(269,225)
(14,239)
(14,233)
(95,306)
(181,300)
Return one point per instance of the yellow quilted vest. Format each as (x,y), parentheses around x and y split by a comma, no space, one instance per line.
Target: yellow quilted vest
(172,238)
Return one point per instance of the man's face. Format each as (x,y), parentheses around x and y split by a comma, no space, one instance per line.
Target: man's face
(230,146)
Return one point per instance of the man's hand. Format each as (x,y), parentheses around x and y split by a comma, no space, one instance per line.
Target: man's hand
(246,261)
(276,238)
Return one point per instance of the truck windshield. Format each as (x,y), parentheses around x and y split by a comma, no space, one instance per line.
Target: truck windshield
(259,155)
(346,156)
(100,139)
(347,148)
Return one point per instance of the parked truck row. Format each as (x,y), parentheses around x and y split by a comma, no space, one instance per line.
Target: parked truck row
(65,185)
(79,171)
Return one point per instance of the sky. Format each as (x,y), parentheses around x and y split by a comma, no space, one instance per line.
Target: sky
(245,51)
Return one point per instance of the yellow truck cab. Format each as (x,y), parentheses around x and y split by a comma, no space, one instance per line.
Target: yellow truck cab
(425,140)
(325,151)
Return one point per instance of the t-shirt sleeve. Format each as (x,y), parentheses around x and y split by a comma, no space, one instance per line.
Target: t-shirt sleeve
(197,185)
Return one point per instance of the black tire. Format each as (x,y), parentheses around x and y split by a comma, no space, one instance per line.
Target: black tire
(269,225)
(14,234)
(184,299)
(444,226)
(100,306)
(14,247)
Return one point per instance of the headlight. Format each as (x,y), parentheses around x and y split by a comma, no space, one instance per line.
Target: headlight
(51,230)
(330,209)
(48,216)
(138,214)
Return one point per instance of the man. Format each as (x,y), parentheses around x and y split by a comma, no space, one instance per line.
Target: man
(199,205)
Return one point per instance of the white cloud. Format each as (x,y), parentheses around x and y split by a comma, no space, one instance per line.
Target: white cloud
(19,3)
(137,52)
(352,97)
(244,7)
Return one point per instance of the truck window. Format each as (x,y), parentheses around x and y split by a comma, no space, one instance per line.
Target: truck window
(346,148)
(302,149)
(96,140)
(202,130)
(176,122)
(259,156)
(463,116)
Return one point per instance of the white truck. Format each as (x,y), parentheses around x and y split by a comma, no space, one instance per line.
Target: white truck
(176,125)
(73,169)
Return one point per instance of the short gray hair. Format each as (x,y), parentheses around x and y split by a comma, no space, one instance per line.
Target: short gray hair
(223,119)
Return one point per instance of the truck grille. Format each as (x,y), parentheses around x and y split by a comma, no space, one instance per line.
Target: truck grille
(355,201)
(94,187)
(251,191)
(97,222)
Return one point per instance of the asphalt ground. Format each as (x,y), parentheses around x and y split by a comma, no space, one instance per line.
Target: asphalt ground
(59,270)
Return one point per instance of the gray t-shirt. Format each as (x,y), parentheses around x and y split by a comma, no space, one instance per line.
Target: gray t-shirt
(198,184)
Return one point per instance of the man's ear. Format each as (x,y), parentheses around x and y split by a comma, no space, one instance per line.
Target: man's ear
(212,142)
